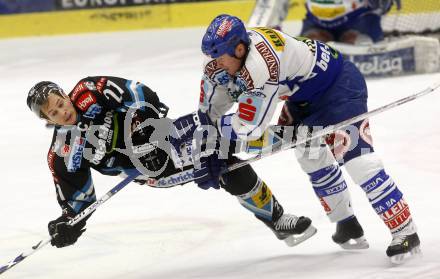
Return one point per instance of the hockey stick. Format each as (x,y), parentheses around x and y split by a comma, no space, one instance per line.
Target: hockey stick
(332,128)
(86,212)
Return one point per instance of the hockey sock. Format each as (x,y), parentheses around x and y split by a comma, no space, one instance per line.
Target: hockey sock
(331,189)
(259,200)
(383,194)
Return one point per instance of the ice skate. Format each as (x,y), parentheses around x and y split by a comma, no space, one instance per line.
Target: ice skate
(350,235)
(403,247)
(292,229)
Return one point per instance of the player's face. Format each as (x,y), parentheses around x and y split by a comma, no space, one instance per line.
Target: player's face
(229,64)
(59,110)
(232,64)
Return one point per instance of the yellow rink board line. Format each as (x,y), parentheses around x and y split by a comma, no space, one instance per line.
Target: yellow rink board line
(133,18)
(124,18)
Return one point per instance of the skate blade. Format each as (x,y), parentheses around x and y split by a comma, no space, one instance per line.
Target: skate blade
(402,258)
(295,239)
(355,244)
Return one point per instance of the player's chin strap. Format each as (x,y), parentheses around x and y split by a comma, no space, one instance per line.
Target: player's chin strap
(132,174)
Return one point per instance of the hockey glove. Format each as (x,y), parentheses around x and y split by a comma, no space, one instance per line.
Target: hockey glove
(208,175)
(64,234)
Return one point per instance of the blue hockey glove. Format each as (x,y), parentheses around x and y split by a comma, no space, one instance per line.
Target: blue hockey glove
(208,175)
(194,135)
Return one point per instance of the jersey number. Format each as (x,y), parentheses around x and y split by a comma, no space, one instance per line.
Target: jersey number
(117,96)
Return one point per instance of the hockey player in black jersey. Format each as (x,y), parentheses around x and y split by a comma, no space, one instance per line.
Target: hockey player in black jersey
(113,125)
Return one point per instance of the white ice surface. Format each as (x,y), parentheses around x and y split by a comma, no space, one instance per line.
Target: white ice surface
(185,232)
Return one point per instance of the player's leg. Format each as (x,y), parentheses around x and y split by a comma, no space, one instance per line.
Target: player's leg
(364,166)
(331,189)
(253,194)
(366,29)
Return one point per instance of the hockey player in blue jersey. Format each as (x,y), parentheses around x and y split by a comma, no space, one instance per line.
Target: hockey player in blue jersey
(260,67)
(347,21)
(112,125)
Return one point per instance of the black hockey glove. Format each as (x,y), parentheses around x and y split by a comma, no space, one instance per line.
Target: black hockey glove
(63,234)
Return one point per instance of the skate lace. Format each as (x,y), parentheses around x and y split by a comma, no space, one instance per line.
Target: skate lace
(398,239)
(286,222)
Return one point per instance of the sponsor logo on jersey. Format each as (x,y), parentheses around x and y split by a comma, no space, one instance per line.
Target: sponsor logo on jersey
(105,135)
(270,59)
(178,178)
(100,84)
(211,68)
(76,154)
(249,109)
(246,111)
(80,88)
(255,93)
(273,37)
(224,28)
(85,101)
(245,79)
(324,57)
(93,110)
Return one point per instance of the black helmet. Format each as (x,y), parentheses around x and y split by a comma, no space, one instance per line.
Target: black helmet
(38,94)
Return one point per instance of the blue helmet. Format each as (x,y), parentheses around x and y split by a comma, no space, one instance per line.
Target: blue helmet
(222,36)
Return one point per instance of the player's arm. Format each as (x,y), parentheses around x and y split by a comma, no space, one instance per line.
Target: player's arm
(74,190)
